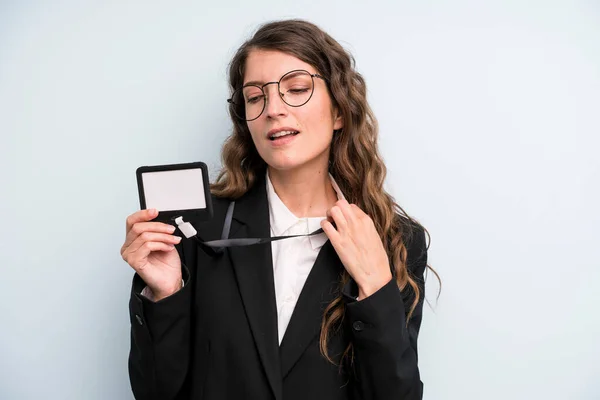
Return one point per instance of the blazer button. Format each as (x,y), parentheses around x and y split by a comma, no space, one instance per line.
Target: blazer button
(139,319)
(358,326)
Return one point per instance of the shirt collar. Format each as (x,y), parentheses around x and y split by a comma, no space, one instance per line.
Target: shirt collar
(282,218)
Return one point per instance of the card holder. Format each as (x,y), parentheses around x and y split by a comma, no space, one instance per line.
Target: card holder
(176,190)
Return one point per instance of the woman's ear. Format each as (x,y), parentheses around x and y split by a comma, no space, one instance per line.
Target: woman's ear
(338,122)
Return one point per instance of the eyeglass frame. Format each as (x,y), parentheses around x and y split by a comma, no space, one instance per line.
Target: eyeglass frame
(312,77)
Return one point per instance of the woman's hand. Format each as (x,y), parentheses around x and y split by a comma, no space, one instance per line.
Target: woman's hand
(149,249)
(359,247)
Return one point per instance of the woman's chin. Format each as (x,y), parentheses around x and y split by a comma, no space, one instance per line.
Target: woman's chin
(289,166)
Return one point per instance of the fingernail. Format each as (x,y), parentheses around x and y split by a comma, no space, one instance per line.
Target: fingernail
(171,228)
(178,239)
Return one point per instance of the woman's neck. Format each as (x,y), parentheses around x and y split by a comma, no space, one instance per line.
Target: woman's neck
(306,193)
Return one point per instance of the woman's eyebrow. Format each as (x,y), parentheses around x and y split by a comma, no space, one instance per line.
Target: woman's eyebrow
(256,83)
(260,83)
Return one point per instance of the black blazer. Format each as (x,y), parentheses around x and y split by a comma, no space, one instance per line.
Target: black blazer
(217,337)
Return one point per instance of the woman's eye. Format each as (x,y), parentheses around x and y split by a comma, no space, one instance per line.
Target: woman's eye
(298,90)
(254,99)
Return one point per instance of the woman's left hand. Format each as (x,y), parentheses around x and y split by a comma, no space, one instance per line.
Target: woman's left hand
(359,247)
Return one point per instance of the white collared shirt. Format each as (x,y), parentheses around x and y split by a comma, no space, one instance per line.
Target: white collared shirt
(293,258)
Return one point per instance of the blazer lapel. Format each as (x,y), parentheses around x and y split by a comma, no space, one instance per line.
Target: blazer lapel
(253,266)
(321,287)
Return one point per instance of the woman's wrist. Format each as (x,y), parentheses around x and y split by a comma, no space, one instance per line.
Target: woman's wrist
(164,294)
(366,290)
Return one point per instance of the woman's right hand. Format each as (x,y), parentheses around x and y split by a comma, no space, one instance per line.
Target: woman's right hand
(149,249)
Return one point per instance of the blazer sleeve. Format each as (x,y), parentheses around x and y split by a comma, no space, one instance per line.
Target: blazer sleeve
(385,347)
(160,350)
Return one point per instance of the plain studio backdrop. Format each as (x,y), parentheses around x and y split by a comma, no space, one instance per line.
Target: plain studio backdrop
(489,125)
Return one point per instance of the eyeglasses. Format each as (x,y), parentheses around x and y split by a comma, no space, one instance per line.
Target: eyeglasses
(295,88)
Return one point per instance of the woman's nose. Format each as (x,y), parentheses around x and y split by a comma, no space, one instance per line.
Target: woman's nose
(275,105)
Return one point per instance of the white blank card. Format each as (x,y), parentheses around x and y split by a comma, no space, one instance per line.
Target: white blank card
(174,190)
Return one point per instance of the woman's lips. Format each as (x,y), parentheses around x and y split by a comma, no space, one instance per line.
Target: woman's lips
(282,141)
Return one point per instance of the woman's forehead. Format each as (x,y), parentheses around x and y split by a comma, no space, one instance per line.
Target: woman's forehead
(268,65)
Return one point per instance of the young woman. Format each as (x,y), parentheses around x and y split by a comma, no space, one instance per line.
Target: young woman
(333,315)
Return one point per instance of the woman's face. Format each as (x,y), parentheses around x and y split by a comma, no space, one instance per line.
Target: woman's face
(315,121)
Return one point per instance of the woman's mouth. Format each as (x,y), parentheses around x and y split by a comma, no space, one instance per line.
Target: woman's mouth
(283,137)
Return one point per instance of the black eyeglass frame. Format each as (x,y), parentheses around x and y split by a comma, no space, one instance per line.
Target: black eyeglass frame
(312,77)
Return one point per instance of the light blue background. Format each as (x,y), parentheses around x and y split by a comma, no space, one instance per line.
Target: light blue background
(490,124)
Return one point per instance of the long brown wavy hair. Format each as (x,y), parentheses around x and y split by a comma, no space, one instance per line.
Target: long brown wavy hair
(354,159)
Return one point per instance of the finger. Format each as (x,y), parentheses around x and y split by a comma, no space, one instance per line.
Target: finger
(139,216)
(338,217)
(348,212)
(330,231)
(159,227)
(362,217)
(153,237)
(141,227)
(358,212)
(137,259)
